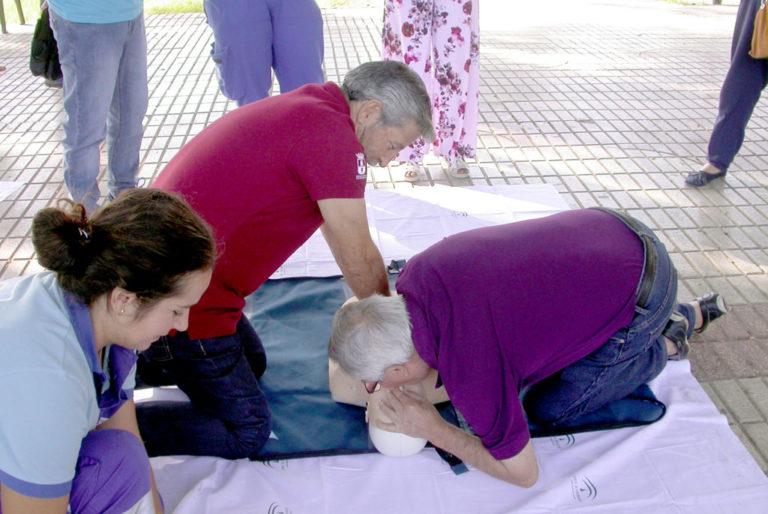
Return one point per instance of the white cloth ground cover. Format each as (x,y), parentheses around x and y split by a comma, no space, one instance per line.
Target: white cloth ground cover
(690,462)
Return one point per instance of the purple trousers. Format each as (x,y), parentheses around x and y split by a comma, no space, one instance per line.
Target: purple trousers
(254,37)
(112,474)
(741,90)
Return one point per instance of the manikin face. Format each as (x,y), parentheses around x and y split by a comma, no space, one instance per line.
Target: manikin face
(171,313)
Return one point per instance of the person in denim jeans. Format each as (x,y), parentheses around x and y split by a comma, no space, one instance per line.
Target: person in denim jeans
(266,176)
(103,54)
(570,312)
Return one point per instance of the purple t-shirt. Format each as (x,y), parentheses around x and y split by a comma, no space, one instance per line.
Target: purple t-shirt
(497,309)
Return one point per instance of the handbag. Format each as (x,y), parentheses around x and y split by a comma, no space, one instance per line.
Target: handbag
(759,48)
(44,57)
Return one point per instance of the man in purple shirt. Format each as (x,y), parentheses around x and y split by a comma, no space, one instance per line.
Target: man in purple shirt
(567,312)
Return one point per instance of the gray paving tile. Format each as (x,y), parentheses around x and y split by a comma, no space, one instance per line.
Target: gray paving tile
(758,435)
(736,401)
(759,454)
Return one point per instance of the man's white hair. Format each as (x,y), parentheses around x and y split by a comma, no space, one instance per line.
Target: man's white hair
(370,335)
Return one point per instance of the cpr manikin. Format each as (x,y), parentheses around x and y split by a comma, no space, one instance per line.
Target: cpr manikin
(345,389)
(392,444)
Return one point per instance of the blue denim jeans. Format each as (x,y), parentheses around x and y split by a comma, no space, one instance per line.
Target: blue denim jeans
(631,357)
(253,37)
(228,414)
(105,96)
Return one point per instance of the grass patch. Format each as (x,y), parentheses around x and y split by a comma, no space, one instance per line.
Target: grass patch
(31,8)
(172,6)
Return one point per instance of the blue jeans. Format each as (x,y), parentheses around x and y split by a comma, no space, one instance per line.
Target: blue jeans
(105,96)
(227,415)
(253,37)
(631,357)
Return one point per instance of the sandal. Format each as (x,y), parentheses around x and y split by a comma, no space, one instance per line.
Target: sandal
(458,169)
(712,306)
(413,172)
(676,331)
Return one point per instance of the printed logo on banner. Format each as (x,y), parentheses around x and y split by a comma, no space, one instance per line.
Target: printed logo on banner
(563,441)
(276,508)
(583,489)
(361,167)
(276,464)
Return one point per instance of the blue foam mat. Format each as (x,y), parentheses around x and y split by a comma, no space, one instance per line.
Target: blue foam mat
(293,319)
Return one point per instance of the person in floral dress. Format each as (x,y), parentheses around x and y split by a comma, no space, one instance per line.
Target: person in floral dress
(439,40)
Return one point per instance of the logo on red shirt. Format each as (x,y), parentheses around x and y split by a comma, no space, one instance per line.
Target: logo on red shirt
(362,168)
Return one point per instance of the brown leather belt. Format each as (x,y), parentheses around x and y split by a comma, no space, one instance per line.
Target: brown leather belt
(649,266)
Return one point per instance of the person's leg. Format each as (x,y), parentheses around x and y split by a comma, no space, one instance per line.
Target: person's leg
(632,357)
(406,38)
(242,51)
(252,347)
(740,92)
(297,44)
(90,55)
(126,113)
(112,474)
(455,40)
(228,415)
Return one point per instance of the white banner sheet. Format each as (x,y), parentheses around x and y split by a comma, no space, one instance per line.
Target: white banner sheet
(689,462)
(407,221)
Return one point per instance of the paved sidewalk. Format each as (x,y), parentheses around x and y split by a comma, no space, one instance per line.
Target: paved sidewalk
(612,102)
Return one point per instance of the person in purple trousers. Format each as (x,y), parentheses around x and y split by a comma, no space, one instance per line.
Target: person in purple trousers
(254,37)
(69,440)
(744,82)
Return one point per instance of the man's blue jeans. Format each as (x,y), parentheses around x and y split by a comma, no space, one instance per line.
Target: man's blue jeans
(228,414)
(105,95)
(631,357)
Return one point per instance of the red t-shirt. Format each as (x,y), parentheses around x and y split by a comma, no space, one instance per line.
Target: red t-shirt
(255,175)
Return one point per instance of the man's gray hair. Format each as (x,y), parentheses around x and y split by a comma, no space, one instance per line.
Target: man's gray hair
(400,90)
(370,335)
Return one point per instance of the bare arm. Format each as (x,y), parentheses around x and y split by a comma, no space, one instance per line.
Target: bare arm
(125,419)
(413,415)
(12,502)
(345,228)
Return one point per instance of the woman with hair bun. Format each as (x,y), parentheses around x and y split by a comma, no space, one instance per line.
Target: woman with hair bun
(69,441)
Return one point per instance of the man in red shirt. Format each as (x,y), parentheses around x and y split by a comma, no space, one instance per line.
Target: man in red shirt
(265,177)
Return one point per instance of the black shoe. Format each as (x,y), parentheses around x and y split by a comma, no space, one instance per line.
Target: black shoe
(702,178)
(677,332)
(712,306)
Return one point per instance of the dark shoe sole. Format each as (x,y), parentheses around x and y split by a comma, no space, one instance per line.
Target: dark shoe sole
(677,332)
(712,306)
(702,178)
